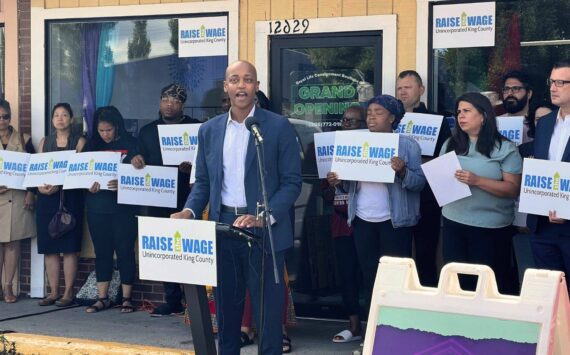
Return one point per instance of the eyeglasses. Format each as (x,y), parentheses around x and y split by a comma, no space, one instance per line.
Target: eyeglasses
(351,120)
(5,117)
(557,83)
(170,99)
(513,89)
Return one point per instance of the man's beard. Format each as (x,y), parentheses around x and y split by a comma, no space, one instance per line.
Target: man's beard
(516,105)
(174,118)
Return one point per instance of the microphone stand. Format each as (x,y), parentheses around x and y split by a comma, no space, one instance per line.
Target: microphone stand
(267,218)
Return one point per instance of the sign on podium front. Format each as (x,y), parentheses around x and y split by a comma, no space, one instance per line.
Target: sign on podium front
(177,250)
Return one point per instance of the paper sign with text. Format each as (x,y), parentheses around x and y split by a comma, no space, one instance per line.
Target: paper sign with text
(202,36)
(545,187)
(178,143)
(511,127)
(324,148)
(47,168)
(177,250)
(84,169)
(365,156)
(463,25)
(440,175)
(150,186)
(423,128)
(13,168)
(193,171)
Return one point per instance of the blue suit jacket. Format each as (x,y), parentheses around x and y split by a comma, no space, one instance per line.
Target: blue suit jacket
(282,165)
(542,138)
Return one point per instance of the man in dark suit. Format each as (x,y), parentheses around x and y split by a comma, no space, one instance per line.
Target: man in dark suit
(410,88)
(551,235)
(171,111)
(227,178)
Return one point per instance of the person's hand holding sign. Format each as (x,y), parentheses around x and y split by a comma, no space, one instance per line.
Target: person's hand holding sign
(399,166)
(467,177)
(333,179)
(553,219)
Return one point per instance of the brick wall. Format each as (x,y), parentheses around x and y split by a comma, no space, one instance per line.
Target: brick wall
(142,290)
(24,60)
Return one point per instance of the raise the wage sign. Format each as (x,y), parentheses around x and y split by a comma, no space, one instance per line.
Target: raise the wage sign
(84,169)
(178,143)
(423,128)
(365,156)
(511,127)
(545,187)
(177,250)
(47,168)
(13,168)
(150,186)
(324,149)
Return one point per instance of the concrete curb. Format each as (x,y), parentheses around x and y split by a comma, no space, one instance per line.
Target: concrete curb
(42,344)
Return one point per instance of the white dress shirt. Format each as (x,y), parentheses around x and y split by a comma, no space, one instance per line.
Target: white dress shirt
(560,136)
(233,161)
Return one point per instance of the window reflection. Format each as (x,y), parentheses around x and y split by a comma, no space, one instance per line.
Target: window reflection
(126,63)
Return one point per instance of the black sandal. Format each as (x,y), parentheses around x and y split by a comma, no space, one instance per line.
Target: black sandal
(127,305)
(101,304)
(286,344)
(245,340)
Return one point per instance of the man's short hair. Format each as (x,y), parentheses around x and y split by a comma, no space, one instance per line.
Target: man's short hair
(359,110)
(565,63)
(413,73)
(520,76)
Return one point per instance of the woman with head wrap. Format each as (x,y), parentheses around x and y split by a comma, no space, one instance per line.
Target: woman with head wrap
(382,215)
(113,226)
(477,229)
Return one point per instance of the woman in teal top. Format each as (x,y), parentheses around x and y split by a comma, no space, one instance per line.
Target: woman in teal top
(477,229)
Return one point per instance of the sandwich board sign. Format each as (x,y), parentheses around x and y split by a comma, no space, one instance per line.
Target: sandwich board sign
(407,318)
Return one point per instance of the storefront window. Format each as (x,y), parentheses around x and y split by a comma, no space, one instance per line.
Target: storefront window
(529,35)
(125,63)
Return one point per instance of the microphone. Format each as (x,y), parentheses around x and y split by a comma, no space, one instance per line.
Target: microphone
(235,231)
(252,125)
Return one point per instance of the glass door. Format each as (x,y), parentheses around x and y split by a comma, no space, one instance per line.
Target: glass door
(313,79)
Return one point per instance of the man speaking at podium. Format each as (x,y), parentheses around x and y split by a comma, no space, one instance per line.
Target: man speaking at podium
(227,177)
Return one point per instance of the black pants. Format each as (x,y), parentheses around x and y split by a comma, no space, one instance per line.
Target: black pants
(551,249)
(239,267)
(477,245)
(113,233)
(374,240)
(349,272)
(426,237)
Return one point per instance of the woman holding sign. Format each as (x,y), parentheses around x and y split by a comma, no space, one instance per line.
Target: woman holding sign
(477,229)
(69,244)
(382,215)
(113,227)
(16,206)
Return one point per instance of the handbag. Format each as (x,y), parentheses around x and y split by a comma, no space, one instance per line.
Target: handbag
(62,222)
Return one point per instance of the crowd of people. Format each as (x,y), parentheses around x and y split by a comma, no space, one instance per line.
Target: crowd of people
(369,219)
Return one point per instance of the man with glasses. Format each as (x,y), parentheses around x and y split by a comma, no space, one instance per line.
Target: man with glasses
(517,93)
(171,111)
(551,235)
(409,89)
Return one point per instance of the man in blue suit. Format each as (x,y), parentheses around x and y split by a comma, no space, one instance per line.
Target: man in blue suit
(227,178)
(551,235)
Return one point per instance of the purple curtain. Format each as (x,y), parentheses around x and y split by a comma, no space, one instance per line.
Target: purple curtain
(90,33)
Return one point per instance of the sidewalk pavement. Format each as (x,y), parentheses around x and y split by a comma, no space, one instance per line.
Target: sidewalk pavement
(52,330)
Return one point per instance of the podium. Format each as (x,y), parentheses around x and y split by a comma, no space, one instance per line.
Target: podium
(407,318)
(184,251)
